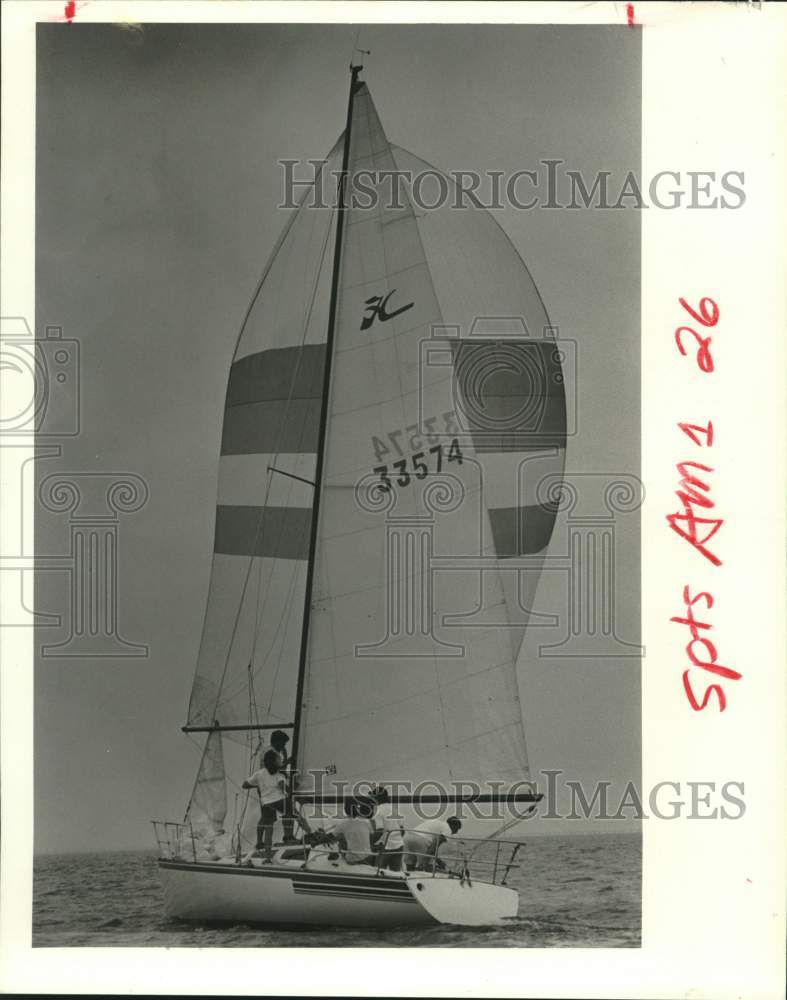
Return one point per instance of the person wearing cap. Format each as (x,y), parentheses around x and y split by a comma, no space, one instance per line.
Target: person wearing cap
(421,845)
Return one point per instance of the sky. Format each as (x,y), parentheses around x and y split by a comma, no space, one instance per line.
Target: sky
(156,192)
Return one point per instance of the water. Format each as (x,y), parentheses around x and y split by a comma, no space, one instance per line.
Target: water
(575,892)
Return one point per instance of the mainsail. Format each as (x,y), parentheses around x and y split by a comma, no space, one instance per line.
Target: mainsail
(387,629)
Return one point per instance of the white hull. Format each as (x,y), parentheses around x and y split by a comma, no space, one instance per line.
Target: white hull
(279,894)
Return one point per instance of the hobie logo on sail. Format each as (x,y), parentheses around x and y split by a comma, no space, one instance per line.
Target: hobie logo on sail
(376,308)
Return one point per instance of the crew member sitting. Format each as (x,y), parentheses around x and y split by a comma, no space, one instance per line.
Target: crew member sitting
(354,834)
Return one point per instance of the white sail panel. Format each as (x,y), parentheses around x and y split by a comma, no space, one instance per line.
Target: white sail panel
(208,806)
(247,665)
(393,690)
(253,630)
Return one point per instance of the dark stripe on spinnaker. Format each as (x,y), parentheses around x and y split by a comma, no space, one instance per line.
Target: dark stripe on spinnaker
(511,393)
(278,532)
(521,531)
(272,427)
(273,402)
(278,373)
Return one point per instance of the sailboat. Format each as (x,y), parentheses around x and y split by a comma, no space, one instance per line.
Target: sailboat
(395,405)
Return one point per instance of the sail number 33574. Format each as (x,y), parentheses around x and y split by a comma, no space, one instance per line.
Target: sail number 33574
(421,460)
(419,465)
(414,453)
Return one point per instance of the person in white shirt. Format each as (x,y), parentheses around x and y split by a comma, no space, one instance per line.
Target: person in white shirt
(269,782)
(279,741)
(421,845)
(354,833)
(389,831)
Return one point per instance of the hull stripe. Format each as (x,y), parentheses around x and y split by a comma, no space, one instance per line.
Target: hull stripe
(350,895)
(379,886)
(305,878)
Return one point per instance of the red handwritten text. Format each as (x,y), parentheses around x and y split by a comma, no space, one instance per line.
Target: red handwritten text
(707,316)
(693,493)
(702,653)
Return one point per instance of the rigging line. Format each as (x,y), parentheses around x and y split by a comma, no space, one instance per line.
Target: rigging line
(291,475)
(279,244)
(254,716)
(253,713)
(256,613)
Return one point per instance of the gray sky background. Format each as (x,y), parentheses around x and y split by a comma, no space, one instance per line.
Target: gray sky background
(157,185)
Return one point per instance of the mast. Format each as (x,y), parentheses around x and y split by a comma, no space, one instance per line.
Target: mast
(337,252)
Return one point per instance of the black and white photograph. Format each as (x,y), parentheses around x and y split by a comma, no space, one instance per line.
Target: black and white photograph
(328,434)
(376,550)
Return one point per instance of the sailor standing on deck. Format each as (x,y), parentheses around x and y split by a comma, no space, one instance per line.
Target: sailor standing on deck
(279,741)
(269,782)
